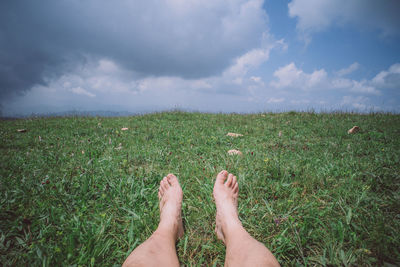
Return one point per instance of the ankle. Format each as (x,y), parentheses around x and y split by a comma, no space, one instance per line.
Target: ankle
(235,233)
(231,226)
(167,230)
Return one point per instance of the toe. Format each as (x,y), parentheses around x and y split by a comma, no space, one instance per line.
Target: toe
(234,181)
(160,191)
(236,188)
(164,184)
(172,179)
(221,177)
(230,180)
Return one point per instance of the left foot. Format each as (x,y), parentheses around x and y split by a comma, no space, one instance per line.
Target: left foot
(170,196)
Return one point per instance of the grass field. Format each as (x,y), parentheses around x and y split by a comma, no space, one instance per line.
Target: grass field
(85,192)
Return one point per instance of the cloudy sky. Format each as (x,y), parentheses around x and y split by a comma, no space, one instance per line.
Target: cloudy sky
(201,55)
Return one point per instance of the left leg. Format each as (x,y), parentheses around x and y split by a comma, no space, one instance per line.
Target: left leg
(159,249)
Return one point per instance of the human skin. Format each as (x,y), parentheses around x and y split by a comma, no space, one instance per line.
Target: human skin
(241,248)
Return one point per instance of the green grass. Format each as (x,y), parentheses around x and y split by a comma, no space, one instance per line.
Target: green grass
(314,196)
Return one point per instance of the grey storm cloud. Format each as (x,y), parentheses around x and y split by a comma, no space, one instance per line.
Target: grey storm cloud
(40,40)
(315,15)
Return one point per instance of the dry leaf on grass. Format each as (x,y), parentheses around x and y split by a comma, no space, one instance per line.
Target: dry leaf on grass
(353,130)
(234,134)
(280,133)
(234,152)
(124,129)
(21,130)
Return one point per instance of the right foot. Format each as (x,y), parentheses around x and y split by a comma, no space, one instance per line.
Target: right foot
(226,191)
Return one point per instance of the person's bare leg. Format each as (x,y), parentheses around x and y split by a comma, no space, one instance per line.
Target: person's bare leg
(241,248)
(159,249)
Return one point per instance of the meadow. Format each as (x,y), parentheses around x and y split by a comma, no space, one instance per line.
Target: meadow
(79,191)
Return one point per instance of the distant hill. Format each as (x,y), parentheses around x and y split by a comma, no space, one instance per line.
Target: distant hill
(94,113)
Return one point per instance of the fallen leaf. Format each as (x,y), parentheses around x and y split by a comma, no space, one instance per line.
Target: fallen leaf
(119,147)
(280,133)
(124,129)
(40,139)
(353,130)
(234,134)
(21,130)
(234,152)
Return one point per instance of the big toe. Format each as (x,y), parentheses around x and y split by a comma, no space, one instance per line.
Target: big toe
(221,177)
(172,179)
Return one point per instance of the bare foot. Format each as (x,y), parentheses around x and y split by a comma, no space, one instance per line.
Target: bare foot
(170,196)
(226,191)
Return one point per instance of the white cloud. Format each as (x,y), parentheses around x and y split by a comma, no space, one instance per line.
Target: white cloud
(107,66)
(357,102)
(106,77)
(191,39)
(275,100)
(290,76)
(317,15)
(389,78)
(363,87)
(350,69)
(81,91)
(256,79)
(286,75)
(300,101)
(283,44)
(342,83)
(251,59)
(108,85)
(205,35)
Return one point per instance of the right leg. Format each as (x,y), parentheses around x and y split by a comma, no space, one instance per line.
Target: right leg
(241,248)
